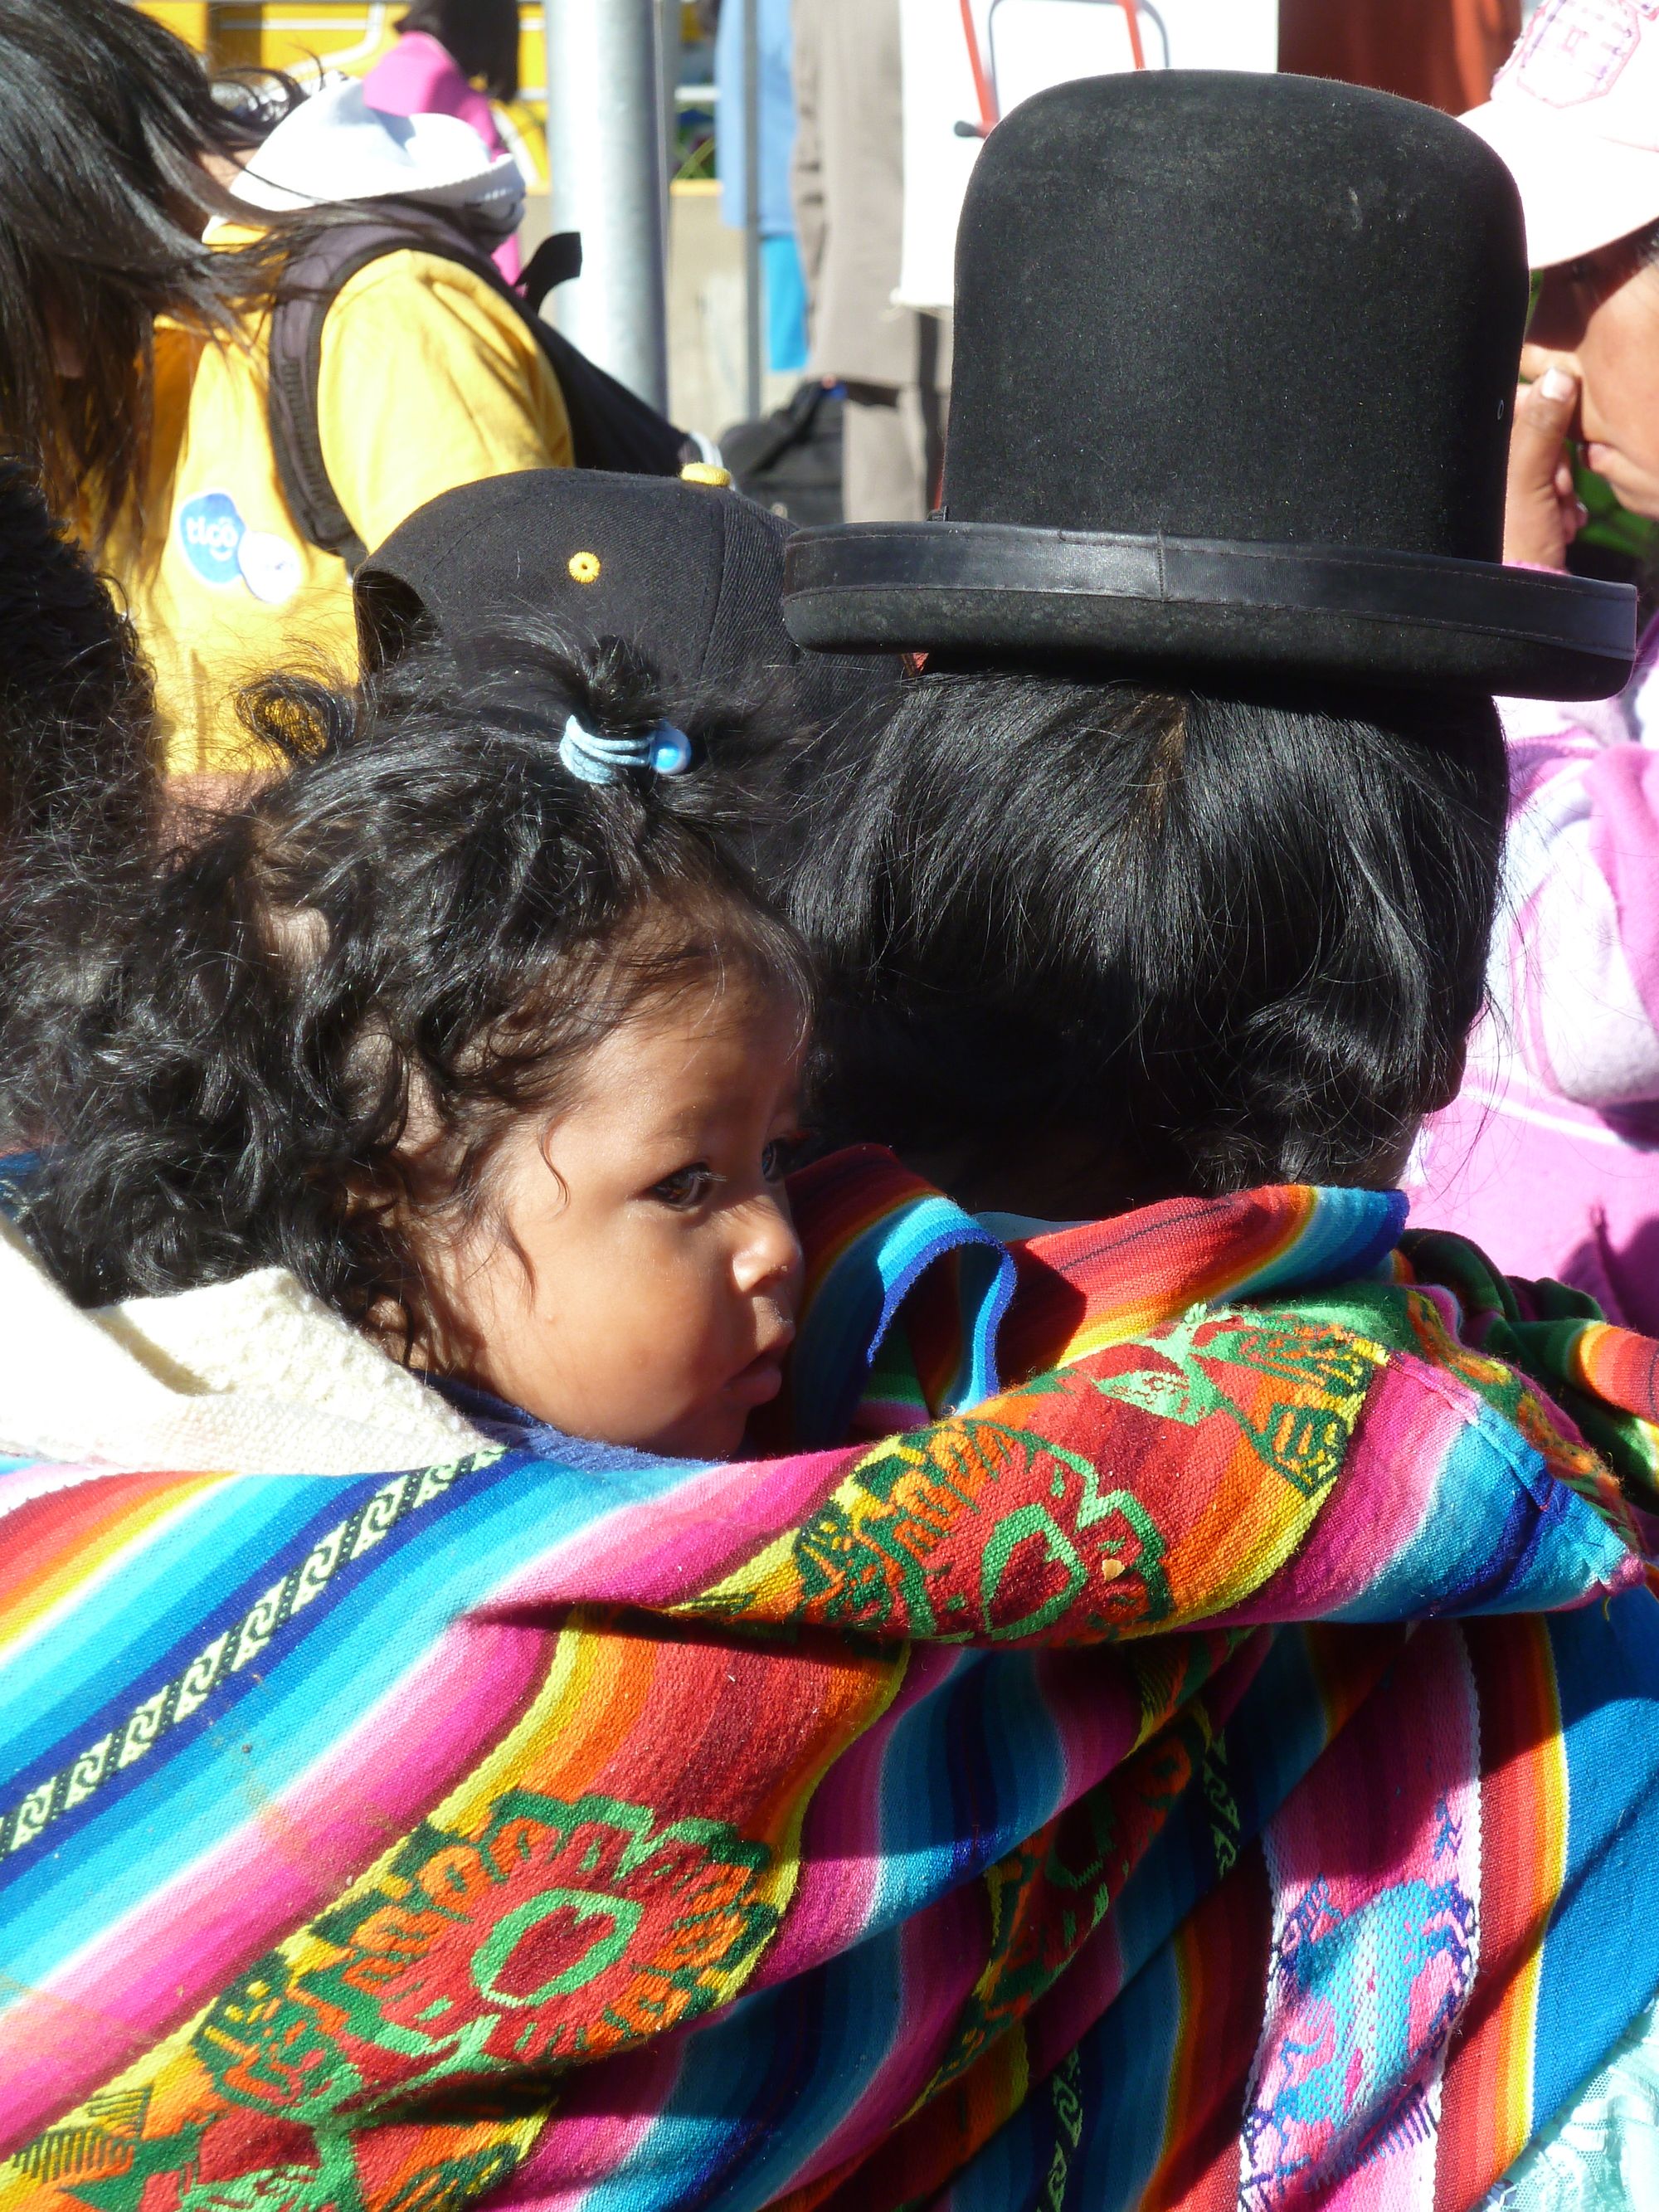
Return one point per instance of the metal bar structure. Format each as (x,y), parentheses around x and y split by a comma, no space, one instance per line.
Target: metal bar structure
(669,61)
(606,159)
(753,294)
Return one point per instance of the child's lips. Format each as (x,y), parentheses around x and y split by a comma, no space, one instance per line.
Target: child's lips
(760,1382)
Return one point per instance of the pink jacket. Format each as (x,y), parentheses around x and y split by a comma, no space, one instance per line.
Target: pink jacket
(421,76)
(1549,1157)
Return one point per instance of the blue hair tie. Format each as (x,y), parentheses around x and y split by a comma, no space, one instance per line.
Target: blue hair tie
(593,759)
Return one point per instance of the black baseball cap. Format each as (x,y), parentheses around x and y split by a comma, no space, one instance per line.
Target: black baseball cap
(691,571)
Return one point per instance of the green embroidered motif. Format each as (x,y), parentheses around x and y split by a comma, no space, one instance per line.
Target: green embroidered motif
(922,1513)
(563,1930)
(1304,1444)
(1066,2109)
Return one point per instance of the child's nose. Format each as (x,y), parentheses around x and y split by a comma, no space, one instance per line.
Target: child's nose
(770,1253)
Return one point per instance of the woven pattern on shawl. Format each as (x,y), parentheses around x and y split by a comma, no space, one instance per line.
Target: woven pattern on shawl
(941,1812)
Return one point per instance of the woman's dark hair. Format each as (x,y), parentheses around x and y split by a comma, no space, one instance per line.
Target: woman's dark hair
(77,711)
(107,124)
(417,935)
(1209,942)
(482,36)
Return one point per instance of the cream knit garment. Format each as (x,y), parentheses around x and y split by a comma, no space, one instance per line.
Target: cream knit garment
(255,1376)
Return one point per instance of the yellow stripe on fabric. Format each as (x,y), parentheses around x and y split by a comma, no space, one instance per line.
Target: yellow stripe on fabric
(1548,1864)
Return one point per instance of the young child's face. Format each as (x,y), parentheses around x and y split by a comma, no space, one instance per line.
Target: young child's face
(651,1296)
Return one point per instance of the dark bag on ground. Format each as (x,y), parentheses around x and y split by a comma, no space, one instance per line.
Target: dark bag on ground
(791,462)
(610,428)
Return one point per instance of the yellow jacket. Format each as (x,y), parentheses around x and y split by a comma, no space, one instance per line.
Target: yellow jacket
(429,380)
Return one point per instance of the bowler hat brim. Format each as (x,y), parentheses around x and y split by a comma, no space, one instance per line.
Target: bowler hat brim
(1002,591)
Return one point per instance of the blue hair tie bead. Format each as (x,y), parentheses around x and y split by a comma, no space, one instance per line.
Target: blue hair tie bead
(671,750)
(593,759)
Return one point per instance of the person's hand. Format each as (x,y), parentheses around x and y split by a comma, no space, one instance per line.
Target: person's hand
(1542,511)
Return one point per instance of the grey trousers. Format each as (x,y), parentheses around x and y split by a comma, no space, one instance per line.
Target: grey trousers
(893,442)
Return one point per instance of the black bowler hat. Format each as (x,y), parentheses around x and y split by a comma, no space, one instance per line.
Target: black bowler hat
(691,571)
(1234,364)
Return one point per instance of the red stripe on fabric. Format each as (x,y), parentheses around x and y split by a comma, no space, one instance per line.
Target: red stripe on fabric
(1483,2121)
(1224,1951)
(54,1533)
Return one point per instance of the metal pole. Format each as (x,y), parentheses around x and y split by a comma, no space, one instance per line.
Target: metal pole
(671,86)
(753,302)
(605,157)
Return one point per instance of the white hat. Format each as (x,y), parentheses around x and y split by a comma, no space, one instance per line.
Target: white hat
(334,146)
(1575,114)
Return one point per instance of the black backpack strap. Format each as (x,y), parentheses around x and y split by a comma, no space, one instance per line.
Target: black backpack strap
(610,428)
(313,279)
(555,262)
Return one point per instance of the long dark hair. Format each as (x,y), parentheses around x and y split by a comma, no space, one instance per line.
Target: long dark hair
(429,917)
(107,123)
(483,35)
(1212,941)
(77,709)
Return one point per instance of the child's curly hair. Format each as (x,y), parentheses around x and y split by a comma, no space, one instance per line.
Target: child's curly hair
(301,1035)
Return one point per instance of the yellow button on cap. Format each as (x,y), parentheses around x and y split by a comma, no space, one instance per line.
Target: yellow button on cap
(585,568)
(705,472)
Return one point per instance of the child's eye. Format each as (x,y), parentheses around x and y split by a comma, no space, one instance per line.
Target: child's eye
(780,1157)
(686,1187)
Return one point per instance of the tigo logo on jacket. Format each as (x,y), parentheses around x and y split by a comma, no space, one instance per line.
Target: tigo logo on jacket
(220,547)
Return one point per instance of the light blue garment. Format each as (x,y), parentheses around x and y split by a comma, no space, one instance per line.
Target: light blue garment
(777,118)
(786,304)
(1601,2154)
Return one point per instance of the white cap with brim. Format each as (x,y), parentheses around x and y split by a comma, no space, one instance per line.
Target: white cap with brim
(334,147)
(1575,117)
(1580,192)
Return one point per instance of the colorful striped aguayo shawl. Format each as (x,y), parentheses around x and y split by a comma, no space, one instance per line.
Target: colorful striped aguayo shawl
(1220,1768)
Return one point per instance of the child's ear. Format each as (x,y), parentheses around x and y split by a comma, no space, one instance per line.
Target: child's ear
(1446,1089)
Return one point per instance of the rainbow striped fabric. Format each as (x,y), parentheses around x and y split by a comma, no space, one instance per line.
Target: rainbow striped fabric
(1218,1766)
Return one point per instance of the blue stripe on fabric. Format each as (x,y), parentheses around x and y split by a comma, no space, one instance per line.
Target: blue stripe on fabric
(149,1619)
(197,1787)
(1011,2172)
(761,2090)
(1127,2063)
(987,1290)
(1600,1967)
(1275,1733)
(968,1772)
(1120,2078)
(844,1328)
(546,1503)
(1178,1868)
(1499,1534)
(1349,1233)
(224,1617)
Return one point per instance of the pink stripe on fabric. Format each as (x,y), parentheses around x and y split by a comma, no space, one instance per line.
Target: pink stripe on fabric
(840,1845)
(941,1954)
(295,1855)
(1622,784)
(596,2128)
(1374,1865)
(662,1550)
(1386,1492)
(582,2149)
